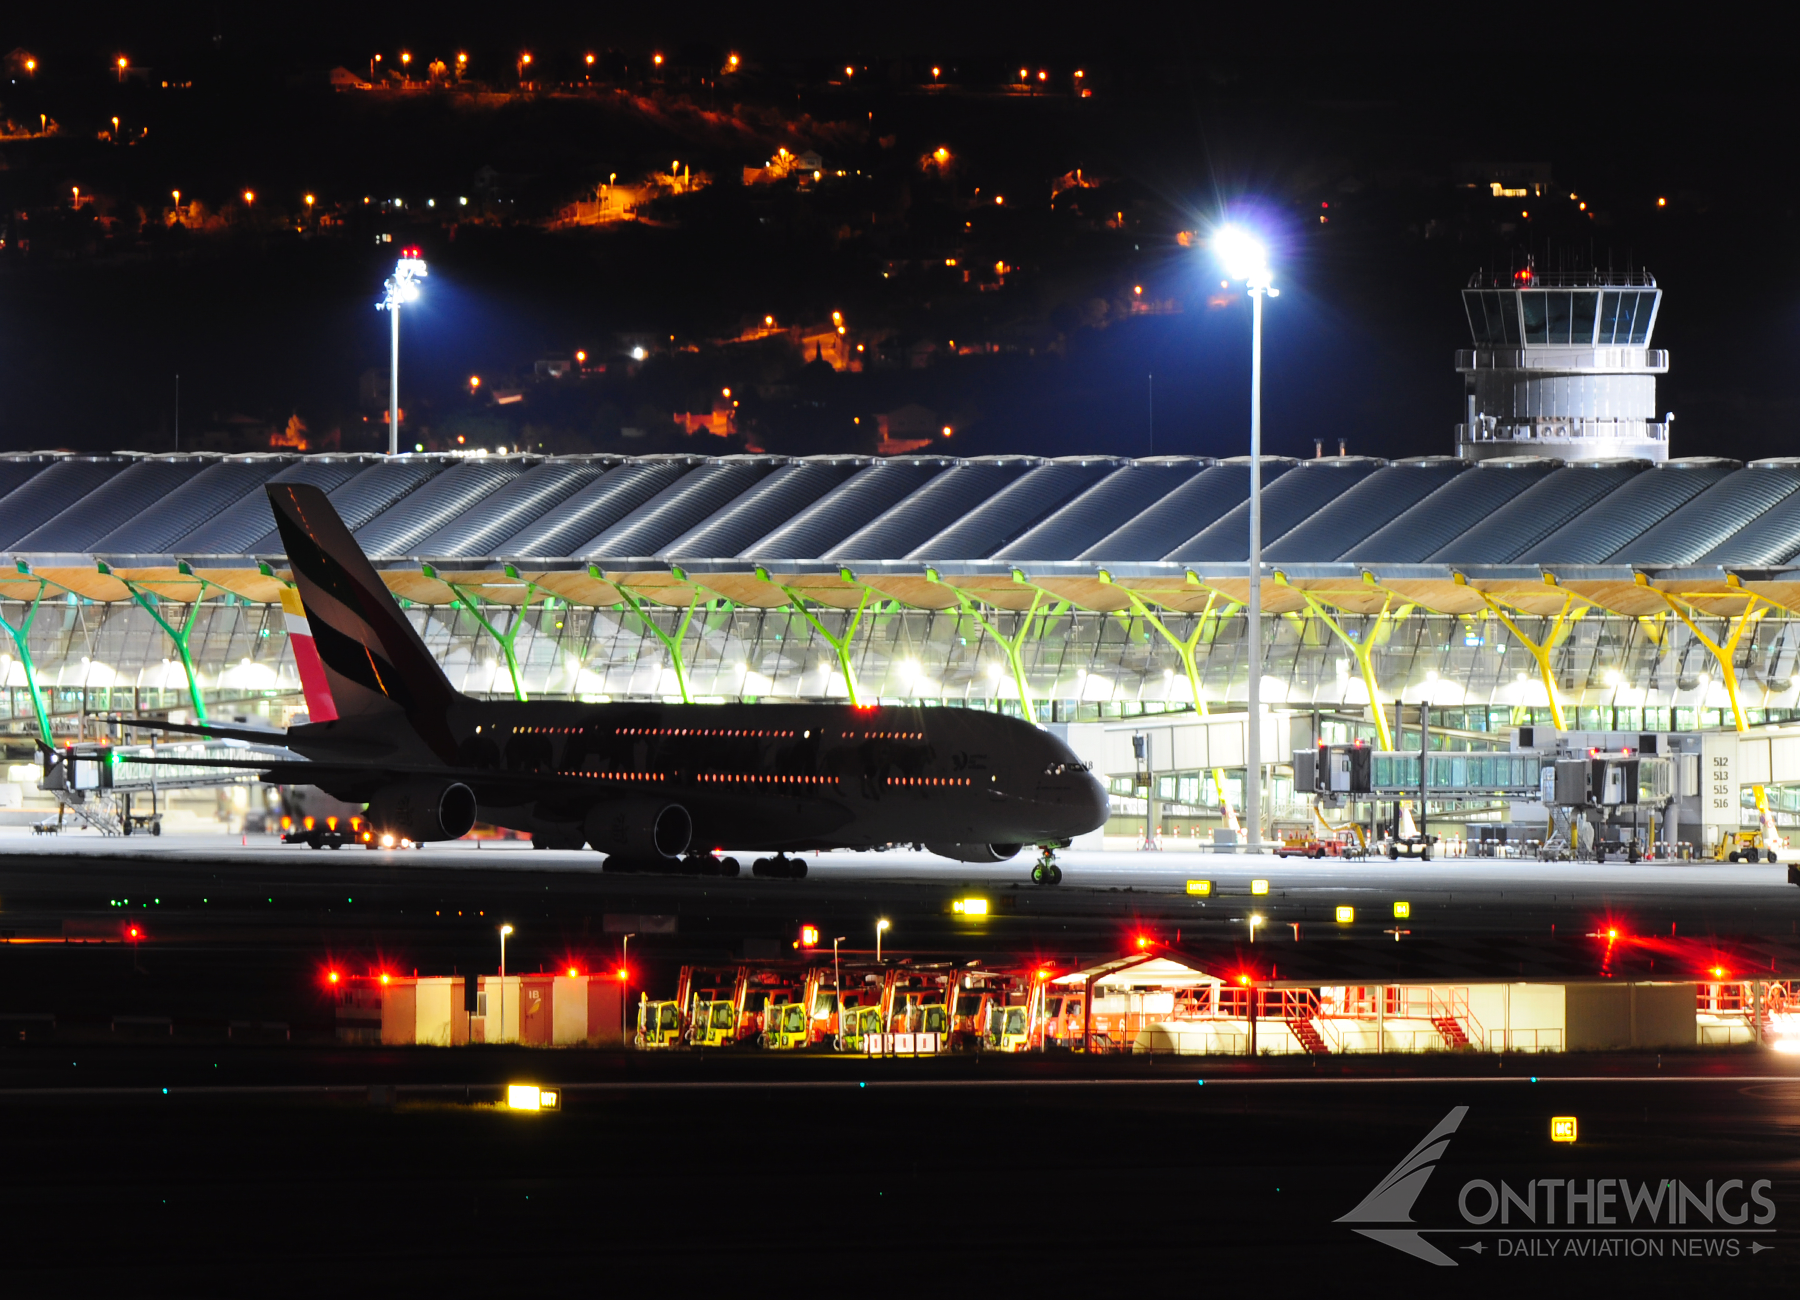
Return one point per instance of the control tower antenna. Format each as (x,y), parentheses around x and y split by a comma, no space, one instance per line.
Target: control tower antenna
(1562,365)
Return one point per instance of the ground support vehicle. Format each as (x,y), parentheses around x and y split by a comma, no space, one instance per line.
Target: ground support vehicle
(806,1021)
(659,1024)
(1409,846)
(1015,1026)
(860,1026)
(727,1008)
(1743,846)
(333,833)
(1329,844)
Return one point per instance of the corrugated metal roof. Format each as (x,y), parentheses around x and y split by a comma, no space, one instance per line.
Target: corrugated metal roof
(1610,527)
(218,487)
(1123,494)
(1716,514)
(1015,508)
(772,502)
(680,506)
(1185,511)
(1693,511)
(235,529)
(1359,512)
(372,491)
(1538,511)
(934,507)
(1287,503)
(51,492)
(531,496)
(448,496)
(1440,517)
(847,507)
(599,505)
(1771,538)
(19,468)
(145,481)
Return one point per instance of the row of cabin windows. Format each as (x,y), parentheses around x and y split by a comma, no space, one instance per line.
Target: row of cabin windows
(749,779)
(700,731)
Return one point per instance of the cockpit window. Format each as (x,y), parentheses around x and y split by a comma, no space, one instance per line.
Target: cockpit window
(1066,769)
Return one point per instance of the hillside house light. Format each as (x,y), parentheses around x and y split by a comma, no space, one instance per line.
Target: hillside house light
(1242,257)
(401,287)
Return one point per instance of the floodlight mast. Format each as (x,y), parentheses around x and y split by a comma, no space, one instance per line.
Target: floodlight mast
(1244,258)
(401,287)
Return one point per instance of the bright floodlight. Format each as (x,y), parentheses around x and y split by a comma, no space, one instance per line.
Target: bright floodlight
(1242,255)
(401,287)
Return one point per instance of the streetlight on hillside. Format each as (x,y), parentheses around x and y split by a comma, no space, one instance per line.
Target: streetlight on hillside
(401,287)
(1244,258)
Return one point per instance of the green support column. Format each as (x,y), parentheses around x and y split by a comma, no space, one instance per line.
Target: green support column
(841,644)
(506,638)
(19,635)
(670,643)
(1185,647)
(1013,644)
(150,601)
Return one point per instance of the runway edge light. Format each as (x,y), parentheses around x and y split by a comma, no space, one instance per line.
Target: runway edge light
(1563,1128)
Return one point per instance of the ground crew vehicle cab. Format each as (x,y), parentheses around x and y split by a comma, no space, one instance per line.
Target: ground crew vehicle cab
(659,1024)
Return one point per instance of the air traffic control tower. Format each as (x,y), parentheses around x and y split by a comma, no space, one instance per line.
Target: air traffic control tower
(1562,366)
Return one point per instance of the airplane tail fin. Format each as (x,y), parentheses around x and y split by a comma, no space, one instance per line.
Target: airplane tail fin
(320,707)
(371,660)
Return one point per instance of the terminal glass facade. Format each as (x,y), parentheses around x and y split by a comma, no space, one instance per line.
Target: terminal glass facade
(1612,673)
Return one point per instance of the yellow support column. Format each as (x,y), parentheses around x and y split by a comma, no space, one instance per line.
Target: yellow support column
(1724,654)
(1362,651)
(1185,648)
(1539,652)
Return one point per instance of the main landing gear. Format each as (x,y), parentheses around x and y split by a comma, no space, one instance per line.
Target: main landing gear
(1046,872)
(779,867)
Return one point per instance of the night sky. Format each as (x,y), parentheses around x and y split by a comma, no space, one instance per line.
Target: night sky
(1272,118)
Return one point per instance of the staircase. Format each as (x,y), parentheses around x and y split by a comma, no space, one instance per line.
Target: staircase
(1452,1031)
(1310,1039)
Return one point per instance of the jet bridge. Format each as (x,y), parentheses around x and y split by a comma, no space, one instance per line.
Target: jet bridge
(107,787)
(1340,773)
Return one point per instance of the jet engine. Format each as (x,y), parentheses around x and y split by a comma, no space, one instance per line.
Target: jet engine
(975,852)
(639,828)
(422,811)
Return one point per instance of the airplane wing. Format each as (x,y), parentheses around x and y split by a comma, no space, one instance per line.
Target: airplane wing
(300,772)
(260,735)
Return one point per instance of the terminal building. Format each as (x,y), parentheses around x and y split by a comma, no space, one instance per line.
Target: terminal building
(1560,572)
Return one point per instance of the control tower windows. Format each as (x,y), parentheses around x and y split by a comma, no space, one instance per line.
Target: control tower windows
(1581,321)
(1625,318)
(1493,317)
(1537,316)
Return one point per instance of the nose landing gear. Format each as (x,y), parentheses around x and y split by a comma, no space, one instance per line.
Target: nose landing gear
(1046,872)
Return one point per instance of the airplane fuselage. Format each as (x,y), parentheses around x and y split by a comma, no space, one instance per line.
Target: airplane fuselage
(768,776)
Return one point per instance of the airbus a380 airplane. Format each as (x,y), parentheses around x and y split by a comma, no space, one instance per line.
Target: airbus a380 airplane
(648,784)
